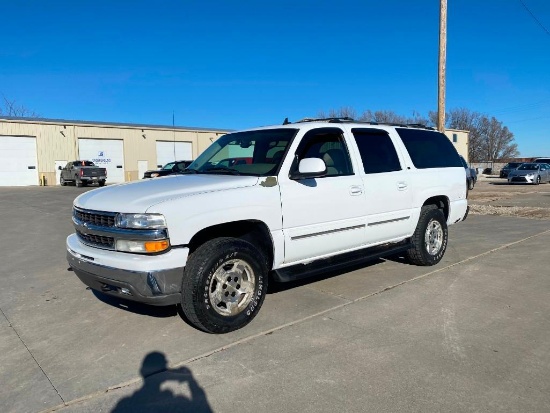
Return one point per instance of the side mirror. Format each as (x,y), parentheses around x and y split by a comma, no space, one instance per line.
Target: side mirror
(310,168)
(60,168)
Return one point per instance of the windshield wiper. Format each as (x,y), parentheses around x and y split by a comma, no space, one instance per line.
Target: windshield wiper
(223,169)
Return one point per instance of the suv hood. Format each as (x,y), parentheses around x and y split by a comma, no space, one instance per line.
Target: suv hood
(139,196)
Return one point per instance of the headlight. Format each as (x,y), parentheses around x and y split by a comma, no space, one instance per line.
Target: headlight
(140,221)
(530,176)
(154,175)
(142,247)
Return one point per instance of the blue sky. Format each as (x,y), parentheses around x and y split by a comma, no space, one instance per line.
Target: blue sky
(240,64)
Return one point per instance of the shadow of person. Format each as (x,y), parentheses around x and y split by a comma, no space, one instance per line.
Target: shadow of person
(154,397)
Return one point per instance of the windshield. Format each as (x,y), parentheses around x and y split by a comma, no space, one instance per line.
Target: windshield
(257,153)
(528,167)
(513,165)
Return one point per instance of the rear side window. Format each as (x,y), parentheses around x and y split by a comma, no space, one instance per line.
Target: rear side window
(429,149)
(377,151)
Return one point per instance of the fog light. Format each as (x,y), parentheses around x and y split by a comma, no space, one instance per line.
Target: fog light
(125,291)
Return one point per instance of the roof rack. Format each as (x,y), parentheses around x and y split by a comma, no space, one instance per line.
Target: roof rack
(348,119)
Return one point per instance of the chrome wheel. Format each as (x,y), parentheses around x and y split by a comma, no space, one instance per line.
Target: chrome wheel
(232,287)
(433,237)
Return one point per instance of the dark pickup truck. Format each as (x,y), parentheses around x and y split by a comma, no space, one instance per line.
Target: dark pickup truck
(82,173)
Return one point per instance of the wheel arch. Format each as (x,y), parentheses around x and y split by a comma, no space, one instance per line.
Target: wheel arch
(441,202)
(254,231)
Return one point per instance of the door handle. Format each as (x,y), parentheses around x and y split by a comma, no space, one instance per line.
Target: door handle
(401,186)
(355,190)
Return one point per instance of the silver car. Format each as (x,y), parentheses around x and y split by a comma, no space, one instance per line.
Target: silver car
(530,173)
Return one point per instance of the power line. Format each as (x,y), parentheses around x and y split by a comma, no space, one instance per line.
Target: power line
(535,18)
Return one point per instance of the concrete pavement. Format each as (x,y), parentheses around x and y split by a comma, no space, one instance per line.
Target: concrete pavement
(469,334)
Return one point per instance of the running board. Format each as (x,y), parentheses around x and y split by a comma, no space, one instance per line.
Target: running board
(299,271)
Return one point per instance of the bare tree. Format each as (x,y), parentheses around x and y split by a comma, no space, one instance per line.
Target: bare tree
(488,139)
(12,108)
(343,112)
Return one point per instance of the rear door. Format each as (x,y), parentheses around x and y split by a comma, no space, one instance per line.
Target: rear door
(388,192)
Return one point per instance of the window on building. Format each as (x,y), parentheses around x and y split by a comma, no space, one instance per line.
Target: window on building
(455,138)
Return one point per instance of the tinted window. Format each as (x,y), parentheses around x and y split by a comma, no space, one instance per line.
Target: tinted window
(429,149)
(327,144)
(377,151)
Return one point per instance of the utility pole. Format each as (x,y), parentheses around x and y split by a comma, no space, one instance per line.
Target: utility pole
(442,64)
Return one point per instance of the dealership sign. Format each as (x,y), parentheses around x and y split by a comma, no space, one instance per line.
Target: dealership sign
(101,159)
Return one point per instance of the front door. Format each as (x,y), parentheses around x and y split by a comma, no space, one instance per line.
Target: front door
(322,216)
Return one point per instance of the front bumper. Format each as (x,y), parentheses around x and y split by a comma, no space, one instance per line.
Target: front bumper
(522,179)
(139,282)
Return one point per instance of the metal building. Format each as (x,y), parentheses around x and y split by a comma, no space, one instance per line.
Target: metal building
(32,149)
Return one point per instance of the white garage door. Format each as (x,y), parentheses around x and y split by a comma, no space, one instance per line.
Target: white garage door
(173,151)
(18,162)
(108,153)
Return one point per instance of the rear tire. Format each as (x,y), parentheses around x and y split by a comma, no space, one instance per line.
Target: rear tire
(77,182)
(101,183)
(471,184)
(224,285)
(430,237)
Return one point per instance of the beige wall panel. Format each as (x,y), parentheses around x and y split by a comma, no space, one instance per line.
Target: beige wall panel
(462,141)
(58,140)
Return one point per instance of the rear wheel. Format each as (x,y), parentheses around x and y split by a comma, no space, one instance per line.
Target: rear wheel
(430,237)
(101,183)
(224,285)
(77,181)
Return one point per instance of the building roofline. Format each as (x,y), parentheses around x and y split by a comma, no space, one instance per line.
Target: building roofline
(67,122)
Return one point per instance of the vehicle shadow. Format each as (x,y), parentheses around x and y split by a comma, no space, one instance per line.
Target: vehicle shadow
(155,396)
(135,307)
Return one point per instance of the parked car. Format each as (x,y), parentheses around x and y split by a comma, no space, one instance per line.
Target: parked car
(530,173)
(212,237)
(510,166)
(169,169)
(471,176)
(82,173)
(542,160)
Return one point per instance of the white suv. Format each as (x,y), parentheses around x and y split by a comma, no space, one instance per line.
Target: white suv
(292,199)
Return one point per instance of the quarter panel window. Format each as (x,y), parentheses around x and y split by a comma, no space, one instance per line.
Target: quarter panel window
(429,149)
(377,151)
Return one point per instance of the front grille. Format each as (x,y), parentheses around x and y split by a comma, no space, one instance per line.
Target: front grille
(99,241)
(102,219)
(518,179)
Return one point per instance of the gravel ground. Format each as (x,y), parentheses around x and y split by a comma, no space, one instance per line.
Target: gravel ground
(490,193)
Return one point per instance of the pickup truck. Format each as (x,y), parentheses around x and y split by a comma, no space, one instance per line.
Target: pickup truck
(315,194)
(82,173)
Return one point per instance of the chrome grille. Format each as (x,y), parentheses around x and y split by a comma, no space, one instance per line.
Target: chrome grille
(102,219)
(97,240)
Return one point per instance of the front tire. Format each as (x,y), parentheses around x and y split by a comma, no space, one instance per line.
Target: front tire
(471,184)
(62,181)
(224,285)
(537,181)
(430,237)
